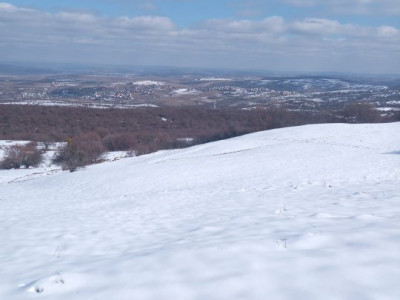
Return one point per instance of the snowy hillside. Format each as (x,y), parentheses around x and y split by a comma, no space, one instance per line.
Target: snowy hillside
(310,212)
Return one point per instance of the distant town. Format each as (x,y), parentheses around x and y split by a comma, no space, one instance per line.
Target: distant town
(120,90)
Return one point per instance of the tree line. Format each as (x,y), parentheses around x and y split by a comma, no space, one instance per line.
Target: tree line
(90,131)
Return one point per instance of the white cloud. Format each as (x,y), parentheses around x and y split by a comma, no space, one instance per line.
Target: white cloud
(268,25)
(273,43)
(317,26)
(146,22)
(381,7)
(388,31)
(76,17)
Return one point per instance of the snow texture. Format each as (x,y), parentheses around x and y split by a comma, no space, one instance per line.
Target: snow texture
(309,212)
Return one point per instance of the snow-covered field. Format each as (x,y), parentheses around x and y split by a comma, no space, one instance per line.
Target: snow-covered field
(309,212)
(185,92)
(215,79)
(76,104)
(148,82)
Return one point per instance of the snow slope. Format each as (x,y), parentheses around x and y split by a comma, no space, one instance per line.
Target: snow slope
(309,212)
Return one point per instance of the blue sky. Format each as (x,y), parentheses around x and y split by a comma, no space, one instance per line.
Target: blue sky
(302,35)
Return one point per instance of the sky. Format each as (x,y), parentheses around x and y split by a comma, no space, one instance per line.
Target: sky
(357,36)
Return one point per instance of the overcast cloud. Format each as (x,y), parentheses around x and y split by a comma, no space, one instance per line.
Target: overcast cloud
(271,43)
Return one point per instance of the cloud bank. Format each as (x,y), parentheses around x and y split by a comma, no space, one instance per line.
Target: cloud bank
(274,43)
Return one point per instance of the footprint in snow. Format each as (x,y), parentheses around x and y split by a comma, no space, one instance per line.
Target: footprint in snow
(281,243)
(362,195)
(45,284)
(281,211)
(321,215)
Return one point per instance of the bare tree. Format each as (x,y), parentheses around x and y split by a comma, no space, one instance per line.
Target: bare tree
(21,156)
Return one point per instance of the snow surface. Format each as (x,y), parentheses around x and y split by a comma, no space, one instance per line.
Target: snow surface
(309,212)
(215,79)
(388,108)
(185,92)
(76,104)
(148,82)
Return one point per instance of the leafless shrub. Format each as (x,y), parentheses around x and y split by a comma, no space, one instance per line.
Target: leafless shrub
(361,113)
(119,141)
(80,151)
(21,156)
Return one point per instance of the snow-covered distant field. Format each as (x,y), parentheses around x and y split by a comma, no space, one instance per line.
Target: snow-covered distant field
(310,212)
(91,105)
(148,82)
(185,92)
(215,79)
